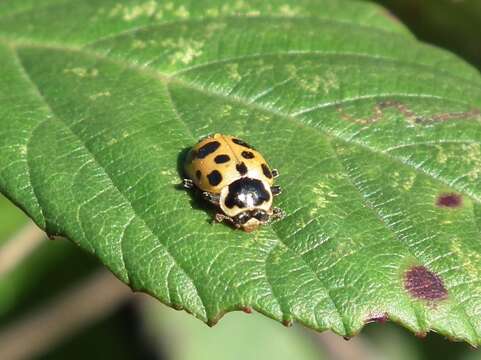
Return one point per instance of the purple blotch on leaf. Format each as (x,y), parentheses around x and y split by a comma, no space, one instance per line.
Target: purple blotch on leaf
(424,284)
(379,318)
(450,200)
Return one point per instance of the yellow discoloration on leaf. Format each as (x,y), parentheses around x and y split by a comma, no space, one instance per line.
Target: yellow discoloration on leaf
(214,12)
(330,82)
(112,141)
(82,72)
(323,195)
(130,13)
(233,72)
(100,94)
(309,83)
(182,12)
(185,50)
(138,44)
(473,159)
(149,9)
(253,13)
(394,179)
(409,181)
(441,156)
(238,7)
(470,262)
(171,174)
(288,10)
(22,149)
(116,10)
(291,70)
(404,181)
(142,44)
(263,118)
(226,110)
(261,67)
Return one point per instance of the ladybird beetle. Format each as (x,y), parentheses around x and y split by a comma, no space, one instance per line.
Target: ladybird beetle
(233,176)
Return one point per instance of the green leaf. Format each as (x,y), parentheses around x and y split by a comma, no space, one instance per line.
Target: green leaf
(376,136)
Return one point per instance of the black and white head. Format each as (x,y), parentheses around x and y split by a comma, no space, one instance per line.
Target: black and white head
(248,202)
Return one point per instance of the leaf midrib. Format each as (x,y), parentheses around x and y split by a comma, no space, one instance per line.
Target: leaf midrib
(167,78)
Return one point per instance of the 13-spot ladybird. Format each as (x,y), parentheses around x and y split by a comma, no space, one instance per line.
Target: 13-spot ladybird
(232,175)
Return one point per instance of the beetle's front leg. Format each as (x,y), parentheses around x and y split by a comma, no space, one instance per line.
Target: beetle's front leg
(277,214)
(276,190)
(212,198)
(219,217)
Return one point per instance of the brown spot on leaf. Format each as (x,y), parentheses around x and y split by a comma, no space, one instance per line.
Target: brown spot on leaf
(451,200)
(247,310)
(424,284)
(377,317)
(378,114)
(421,335)
(287,322)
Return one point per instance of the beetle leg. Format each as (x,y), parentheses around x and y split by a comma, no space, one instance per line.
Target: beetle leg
(277,214)
(219,217)
(188,183)
(276,190)
(213,198)
(275,173)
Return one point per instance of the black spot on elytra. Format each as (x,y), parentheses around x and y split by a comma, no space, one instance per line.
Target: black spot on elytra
(207,149)
(424,284)
(246,190)
(241,168)
(451,200)
(198,174)
(266,171)
(214,178)
(247,154)
(220,159)
(242,143)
